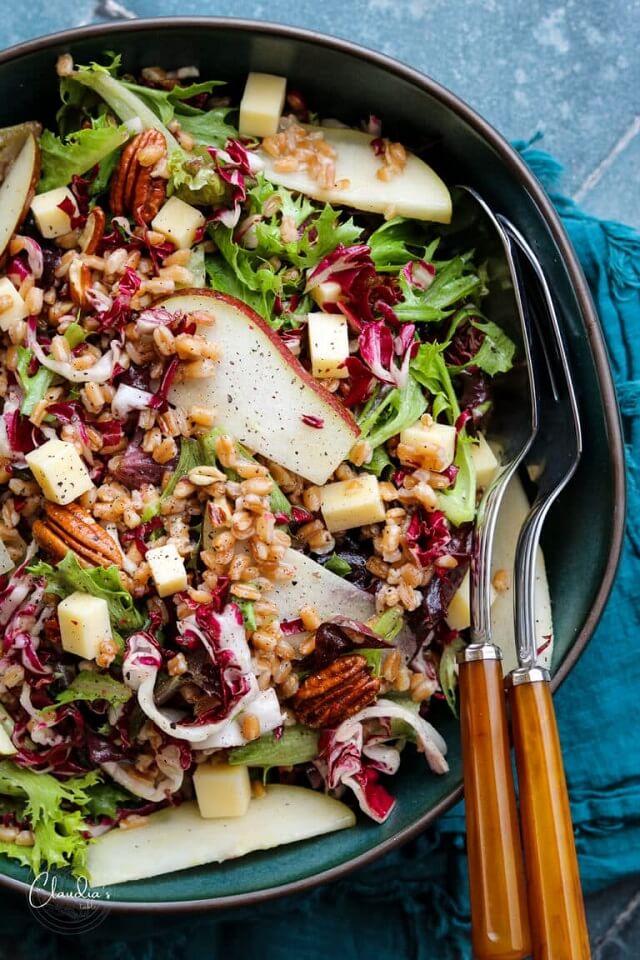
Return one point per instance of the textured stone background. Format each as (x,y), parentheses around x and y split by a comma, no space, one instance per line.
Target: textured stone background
(570,70)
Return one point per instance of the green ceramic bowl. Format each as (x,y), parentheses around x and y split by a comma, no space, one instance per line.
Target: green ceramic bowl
(582,544)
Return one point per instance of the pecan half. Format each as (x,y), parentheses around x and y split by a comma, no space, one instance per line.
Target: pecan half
(79,280)
(93,232)
(336,692)
(134,190)
(72,528)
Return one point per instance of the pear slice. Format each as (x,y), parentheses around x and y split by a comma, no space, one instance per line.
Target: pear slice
(179,838)
(12,140)
(417,191)
(514,509)
(18,188)
(262,393)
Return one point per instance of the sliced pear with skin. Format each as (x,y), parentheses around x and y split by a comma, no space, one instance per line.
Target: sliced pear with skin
(179,838)
(330,595)
(17,189)
(262,393)
(12,140)
(416,191)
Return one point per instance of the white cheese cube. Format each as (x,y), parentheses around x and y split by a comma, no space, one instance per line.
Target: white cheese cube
(459,612)
(485,462)
(60,471)
(327,292)
(352,503)
(179,222)
(6,563)
(328,345)
(433,447)
(167,569)
(84,624)
(222,790)
(52,221)
(261,105)
(15,307)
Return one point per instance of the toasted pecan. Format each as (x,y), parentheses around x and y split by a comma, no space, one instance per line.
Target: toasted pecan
(134,190)
(65,528)
(336,692)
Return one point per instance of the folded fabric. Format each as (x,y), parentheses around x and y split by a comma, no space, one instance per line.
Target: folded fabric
(413,903)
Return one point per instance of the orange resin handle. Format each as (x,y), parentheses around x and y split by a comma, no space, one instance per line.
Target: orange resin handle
(558,922)
(500,929)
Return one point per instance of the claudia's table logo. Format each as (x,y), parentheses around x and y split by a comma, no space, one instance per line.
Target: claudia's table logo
(73,911)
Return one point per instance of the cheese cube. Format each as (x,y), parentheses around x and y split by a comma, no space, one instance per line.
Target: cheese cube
(432,447)
(485,462)
(222,790)
(459,612)
(6,563)
(179,222)
(328,345)
(352,503)
(15,308)
(261,105)
(84,624)
(60,471)
(52,221)
(327,292)
(167,569)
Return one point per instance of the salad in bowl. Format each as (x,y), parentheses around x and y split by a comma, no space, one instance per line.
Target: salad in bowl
(246,380)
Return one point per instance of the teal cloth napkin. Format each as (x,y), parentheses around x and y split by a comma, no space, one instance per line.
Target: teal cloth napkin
(413,903)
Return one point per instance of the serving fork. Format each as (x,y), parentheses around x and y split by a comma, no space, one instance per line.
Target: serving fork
(500,928)
(556,908)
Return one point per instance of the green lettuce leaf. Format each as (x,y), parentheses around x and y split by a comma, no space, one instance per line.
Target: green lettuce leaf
(34,387)
(496,350)
(166,103)
(388,624)
(380,461)
(248,614)
(297,744)
(105,800)
(397,242)
(194,179)
(391,412)
(455,280)
(319,234)
(93,685)
(210,127)
(338,566)
(77,153)
(375,657)
(447,672)
(458,503)
(222,276)
(45,803)
(68,576)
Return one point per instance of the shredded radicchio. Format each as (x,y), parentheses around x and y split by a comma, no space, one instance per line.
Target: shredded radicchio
(137,467)
(364,292)
(379,348)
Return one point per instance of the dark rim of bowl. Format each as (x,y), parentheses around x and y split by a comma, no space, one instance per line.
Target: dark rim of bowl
(529,182)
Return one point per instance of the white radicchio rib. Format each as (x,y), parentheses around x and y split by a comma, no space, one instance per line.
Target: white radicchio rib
(100,372)
(127,776)
(223,637)
(428,739)
(349,757)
